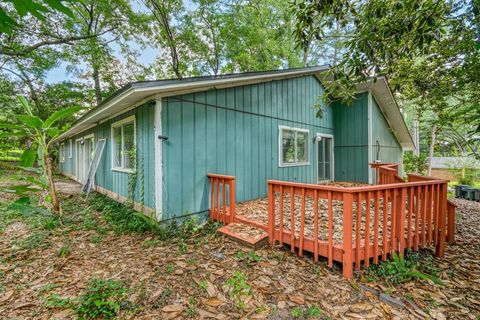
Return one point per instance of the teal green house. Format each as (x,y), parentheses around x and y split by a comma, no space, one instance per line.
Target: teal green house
(163,137)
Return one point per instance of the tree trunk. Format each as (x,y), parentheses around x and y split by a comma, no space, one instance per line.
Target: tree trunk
(416,137)
(305,55)
(161,14)
(431,149)
(51,184)
(96,80)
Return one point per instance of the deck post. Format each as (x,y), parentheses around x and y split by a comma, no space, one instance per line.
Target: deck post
(451,222)
(401,198)
(232,200)
(271,214)
(442,221)
(347,258)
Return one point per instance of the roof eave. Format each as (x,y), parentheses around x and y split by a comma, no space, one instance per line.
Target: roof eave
(135,92)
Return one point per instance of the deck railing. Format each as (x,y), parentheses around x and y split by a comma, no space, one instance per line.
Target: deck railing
(374,220)
(387,173)
(354,226)
(222,198)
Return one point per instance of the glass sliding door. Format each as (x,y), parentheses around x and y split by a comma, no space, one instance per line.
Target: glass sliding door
(325,159)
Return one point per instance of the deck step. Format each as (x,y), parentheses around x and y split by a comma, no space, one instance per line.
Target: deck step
(244,234)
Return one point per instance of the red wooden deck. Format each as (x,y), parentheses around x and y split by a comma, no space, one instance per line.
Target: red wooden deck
(375,220)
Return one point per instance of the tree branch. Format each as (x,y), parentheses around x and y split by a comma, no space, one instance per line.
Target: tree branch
(13,53)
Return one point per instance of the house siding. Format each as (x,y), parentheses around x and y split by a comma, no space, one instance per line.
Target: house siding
(390,148)
(115,181)
(234,131)
(351,140)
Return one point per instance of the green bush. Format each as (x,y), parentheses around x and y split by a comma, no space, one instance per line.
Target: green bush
(466,176)
(415,164)
(102,299)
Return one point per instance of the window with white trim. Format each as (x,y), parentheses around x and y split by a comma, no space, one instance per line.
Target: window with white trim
(123,144)
(62,152)
(294,146)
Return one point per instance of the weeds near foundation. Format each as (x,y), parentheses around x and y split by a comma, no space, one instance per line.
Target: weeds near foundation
(124,219)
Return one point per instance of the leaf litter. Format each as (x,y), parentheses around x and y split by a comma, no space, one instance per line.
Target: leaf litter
(167,283)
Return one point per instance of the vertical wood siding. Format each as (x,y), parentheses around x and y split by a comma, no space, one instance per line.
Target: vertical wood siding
(234,131)
(351,140)
(390,149)
(118,181)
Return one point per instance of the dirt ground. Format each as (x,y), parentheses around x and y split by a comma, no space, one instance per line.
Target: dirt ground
(188,279)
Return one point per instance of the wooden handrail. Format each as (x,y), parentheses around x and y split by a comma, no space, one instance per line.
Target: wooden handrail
(221,209)
(220,176)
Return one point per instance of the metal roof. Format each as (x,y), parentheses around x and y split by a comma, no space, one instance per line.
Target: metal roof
(136,92)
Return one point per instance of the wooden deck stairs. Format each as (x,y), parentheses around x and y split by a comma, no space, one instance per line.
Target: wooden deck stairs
(245,234)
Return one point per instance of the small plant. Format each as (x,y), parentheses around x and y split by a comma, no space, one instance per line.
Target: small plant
(296,312)
(182,247)
(203,284)
(166,293)
(402,269)
(65,250)
(170,268)
(248,258)
(46,288)
(313,312)
(102,299)
(96,238)
(192,307)
(56,301)
(50,223)
(150,243)
(239,288)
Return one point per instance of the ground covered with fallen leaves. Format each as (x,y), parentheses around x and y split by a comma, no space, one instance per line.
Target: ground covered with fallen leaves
(44,262)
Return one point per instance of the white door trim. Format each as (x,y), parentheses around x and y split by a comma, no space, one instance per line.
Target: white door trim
(158,144)
(332,159)
(370,137)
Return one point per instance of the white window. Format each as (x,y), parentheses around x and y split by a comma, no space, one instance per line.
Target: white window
(62,152)
(123,144)
(70,149)
(294,149)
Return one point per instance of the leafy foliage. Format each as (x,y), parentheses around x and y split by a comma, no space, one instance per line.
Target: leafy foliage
(415,164)
(37,9)
(42,134)
(102,299)
(239,288)
(400,269)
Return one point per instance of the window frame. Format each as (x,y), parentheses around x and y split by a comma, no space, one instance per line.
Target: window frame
(121,124)
(62,152)
(281,129)
(70,149)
